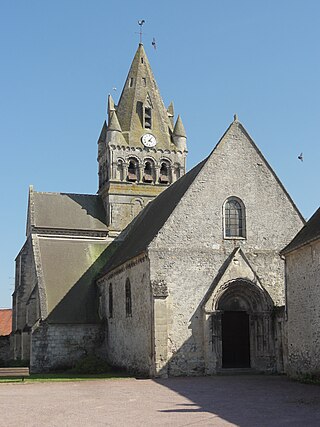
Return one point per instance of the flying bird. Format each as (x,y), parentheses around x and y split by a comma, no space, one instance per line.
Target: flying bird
(141,22)
(300,157)
(114,88)
(154,43)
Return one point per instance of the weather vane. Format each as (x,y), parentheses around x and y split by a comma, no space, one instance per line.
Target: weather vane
(140,23)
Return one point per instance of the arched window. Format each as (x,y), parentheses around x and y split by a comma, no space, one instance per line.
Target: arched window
(128,299)
(147,117)
(234,218)
(110,301)
(148,171)
(133,170)
(164,173)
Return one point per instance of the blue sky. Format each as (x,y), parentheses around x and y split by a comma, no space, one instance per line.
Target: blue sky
(60,59)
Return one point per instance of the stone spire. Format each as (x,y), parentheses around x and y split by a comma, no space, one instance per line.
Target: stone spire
(140,96)
(170,112)
(179,135)
(114,124)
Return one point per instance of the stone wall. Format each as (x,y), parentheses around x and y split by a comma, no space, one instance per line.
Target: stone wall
(5,352)
(303,301)
(129,338)
(190,250)
(59,346)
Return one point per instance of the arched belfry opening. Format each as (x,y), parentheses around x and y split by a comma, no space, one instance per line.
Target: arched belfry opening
(241,327)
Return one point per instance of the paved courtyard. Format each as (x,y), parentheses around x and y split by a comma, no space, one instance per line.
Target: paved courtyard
(209,401)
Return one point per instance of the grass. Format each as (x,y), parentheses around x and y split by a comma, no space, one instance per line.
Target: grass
(65,377)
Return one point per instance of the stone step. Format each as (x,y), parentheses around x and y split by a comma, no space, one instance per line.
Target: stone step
(239,371)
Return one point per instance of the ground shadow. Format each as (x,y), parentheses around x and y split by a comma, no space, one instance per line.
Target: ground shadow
(249,401)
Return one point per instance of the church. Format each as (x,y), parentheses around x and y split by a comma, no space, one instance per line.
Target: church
(163,272)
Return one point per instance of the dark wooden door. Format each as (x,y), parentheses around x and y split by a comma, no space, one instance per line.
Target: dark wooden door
(235,340)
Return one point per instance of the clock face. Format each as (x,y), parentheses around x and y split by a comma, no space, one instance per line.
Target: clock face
(148,140)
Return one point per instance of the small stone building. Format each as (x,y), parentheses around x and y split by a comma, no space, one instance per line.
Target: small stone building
(302,267)
(162,272)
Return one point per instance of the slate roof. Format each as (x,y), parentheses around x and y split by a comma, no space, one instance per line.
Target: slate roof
(68,211)
(147,224)
(309,233)
(69,268)
(5,321)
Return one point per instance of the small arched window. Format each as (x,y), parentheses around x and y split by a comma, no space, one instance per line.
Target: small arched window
(164,173)
(110,301)
(234,218)
(148,171)
(133,170)
(128,299)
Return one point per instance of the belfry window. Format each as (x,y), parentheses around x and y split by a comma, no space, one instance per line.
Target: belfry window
(128,299)
(110,301)
(164,173)
(133,170)
(147,118)
(234,218)
(148,172)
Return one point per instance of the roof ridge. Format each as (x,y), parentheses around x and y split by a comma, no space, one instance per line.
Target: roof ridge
(142,230)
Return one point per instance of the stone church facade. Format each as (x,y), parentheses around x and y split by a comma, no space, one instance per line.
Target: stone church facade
(162,272)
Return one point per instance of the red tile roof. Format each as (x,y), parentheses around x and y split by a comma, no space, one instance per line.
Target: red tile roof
(5,321)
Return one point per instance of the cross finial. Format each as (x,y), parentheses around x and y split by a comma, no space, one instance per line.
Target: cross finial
(140,23)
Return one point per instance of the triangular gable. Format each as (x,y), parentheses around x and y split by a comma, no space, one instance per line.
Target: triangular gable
(236,267)
(235,125)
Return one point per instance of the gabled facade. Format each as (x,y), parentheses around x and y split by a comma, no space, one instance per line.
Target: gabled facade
(302,257)
(203,279)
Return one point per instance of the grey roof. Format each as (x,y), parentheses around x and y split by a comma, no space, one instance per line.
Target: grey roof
(69,268)
(307,234)
(68,211)
(147,224)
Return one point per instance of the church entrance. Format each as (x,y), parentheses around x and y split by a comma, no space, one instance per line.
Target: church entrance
(235,339)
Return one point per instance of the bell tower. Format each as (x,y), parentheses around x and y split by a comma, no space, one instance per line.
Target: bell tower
(141,150)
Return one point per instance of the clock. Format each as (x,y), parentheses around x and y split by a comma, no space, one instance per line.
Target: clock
(148,140)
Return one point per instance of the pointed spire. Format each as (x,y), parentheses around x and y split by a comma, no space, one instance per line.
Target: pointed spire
(114,124)
(179,136)
(170,111)
(111,106)
(179,129)
(141,91)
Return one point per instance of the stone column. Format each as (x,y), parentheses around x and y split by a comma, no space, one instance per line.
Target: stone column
(160,293)
(212,341)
